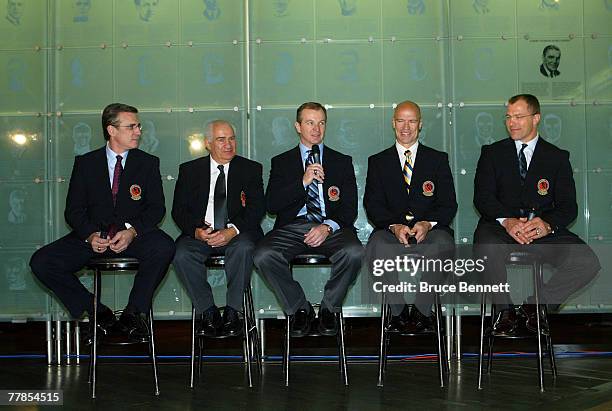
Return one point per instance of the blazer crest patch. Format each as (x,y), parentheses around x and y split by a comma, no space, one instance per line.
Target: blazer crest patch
(135,192)
(333,193)
(243,198)
(428,188)
(543,186)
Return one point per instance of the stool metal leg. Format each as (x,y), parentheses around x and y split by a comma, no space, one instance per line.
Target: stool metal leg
(262,339)
(457,334)
(491,339)
(68,342)
(287,356)
(77,341)
(58,342)
(247,338)
(255,342)
(481,349)
(94,348)
(382,353)
(551,349)
(341,346)
(192,361)
(537,275)
(49,337)
(440,345)
(200,354)
(153,354)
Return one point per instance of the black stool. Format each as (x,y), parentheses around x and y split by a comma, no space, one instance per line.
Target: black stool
(100,264)
(250,337)
(385,336)
(315,260)
(519,258)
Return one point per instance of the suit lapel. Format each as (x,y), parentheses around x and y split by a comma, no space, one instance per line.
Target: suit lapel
(512,161)
(202,183)
(102,178)
(233,186)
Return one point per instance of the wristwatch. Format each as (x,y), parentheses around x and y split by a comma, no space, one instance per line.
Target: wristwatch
(329,229)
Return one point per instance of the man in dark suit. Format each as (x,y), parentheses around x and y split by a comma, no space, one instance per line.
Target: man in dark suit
(312,191)
(218,205)
(115,202)
(526,196)
(410,200)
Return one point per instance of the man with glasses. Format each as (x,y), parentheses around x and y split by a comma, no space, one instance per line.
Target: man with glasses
(313,192)
(410,201)
(218,205)
(525,193)
(115,202)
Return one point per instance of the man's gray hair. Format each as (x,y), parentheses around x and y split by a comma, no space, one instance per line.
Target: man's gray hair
(208,128)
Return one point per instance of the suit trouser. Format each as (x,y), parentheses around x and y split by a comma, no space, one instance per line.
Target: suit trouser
(383,244)
(56,264)
(189,265)
(574,261)
(280,245)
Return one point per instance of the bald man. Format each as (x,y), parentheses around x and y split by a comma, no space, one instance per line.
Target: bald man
(410,200)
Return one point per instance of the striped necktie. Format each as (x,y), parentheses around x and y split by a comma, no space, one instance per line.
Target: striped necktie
(313,206)
(523,164)
(407,170)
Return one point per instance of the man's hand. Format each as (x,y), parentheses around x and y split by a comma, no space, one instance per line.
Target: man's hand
(317,235)
(420,230)
(313,172)
(203,234)
(98,244)
(515,227)
(536,228)
(221,237)
(122,240)
(402,233)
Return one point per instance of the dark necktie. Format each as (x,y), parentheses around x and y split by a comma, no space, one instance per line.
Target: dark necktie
(112,229)
(220,202)
(313,207)
(523,164)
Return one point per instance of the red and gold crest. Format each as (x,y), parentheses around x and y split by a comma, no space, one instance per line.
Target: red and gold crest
(243,198)
(333,193)
(428,188)
(543,186)
(135,192)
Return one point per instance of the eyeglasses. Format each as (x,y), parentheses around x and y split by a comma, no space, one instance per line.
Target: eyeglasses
(131,126)
(517,116)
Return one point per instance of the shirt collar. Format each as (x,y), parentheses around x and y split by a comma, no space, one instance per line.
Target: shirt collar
(530,146)
(304,151)
(214,166)
(401,150)
(112,156)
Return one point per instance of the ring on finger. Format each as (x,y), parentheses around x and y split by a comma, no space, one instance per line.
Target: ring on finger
(99,248)
(517,233)
(538,231)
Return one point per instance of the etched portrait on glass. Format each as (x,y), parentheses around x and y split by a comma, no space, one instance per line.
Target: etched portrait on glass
(15,271)
(146,9)
(16,71)
(551,57)
(348,62)
(551,128)
(283,134)
(415,7)
(14,11)
(17,214)
(280,8)
(481,6)
(348,7)
(211,10)
(283,68)
(148,138)
(213,66)
(81,136)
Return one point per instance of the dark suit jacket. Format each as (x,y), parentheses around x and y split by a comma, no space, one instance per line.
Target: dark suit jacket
(546,73)
(498,191)
(386,200)
(285,194)
(244,182)
(89,204)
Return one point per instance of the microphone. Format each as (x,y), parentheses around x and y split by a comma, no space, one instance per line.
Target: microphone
(533,212)
(316,153)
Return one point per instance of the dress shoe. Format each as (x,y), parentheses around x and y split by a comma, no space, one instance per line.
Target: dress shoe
(327,322)
(505,323)
(107,324)
(232,322)
(209,323)
(397,324)
(135,326)
(528,311)
(301,321)
(418,323)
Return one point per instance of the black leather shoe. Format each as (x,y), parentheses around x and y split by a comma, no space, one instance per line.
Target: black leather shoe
(300,324)
(397,324)
(210,323)
(418,323)
(232,322)
(107,324)
(528,311)
(327,322)
(135,326)
(505,323)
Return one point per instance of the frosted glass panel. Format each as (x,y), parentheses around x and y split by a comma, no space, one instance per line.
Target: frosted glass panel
(22,81)
(413,18)
(347,19)
(282,19)
(211,20)
(22,149)
(549,17)
(475,127)
(598,52)
(23,23)
(599,137)
(22,214)
(84,22)
(146,22)
(483,17)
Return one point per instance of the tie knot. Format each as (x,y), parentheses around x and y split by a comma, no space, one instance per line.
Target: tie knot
(407,153)
(221,169)
(523,146)
(119,158)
